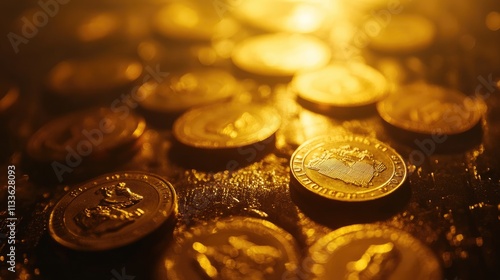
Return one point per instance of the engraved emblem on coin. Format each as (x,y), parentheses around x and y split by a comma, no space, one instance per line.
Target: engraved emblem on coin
(235,128)
(377,263)
(252,259)
(113,211)
(348,164)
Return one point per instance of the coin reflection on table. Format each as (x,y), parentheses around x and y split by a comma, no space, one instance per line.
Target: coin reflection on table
(428,109)
(341,85)
(112,211)
(280,54)
(179,92)
(234,248)
(347,168)
(371,251)
(226,125)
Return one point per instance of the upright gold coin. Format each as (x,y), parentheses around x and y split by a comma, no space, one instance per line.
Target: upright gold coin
(180,92)
(342,85)
(280,54)
(93,134)
(226,125)
(234,248)
(92,76)
(404,34)
(371,252)
(430,109)
(347,168)
(112,211)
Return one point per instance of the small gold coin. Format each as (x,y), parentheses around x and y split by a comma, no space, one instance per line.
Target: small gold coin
(234,248)
(347,168)
(280,54)
(343,85)
(92,134)
(226,125)
(371,251)
(92,76)
(430,109)
(112,211)
(180,92)
(283,15)
(404,34)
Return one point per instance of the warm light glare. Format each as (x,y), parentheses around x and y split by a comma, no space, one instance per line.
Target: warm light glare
(493,21)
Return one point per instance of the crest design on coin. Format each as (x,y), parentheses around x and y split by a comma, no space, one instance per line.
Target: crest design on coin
(347,168)
(112,211)
(111,214)
(348,164)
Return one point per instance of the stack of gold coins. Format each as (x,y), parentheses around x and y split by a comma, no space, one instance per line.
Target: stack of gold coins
(370,251)
(347,168)
(85,81)
(229,134)
(182,91)
(84,143)
(340,89)
(233,248)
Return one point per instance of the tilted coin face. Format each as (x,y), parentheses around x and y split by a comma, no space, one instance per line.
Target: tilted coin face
(371,252)
(89,133)
(92,76)
(429,109)
(112,211)
(403,34)
(180,92)
(235,248)
(226,125)
(341,85)
(348,168)
(280,54)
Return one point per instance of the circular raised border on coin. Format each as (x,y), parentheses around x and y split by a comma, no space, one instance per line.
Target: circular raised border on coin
(158,204)
(332,85)
(321,258)
(457,113)
(350,168)
(132,129)
(176,263)
(222,119)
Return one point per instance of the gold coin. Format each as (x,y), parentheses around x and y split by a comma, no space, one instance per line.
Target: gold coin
(112,211)
(234,248)
(347,168)
(9,95)
(226,125)
(283,15)
(192,20)
(92,76)
(404,34)
(180,92)
(343,85)
(92,134)
(371,251)
(280,54)
(430,109)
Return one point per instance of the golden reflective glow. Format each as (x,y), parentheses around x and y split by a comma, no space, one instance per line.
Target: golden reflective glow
(493,21)
(97,27)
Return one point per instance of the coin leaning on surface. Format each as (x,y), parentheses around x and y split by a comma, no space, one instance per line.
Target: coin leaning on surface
(428,109)
(226,125)
(112,210)
(370,251)
(347,168)
(232,248)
